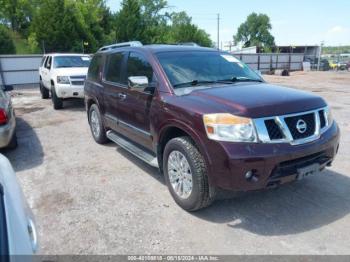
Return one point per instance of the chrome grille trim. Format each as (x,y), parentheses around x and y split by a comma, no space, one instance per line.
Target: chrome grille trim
(263,135)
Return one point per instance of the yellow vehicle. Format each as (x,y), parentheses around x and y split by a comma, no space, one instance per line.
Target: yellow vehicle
(333,65)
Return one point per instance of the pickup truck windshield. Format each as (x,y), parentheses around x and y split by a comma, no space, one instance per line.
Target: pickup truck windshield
(71,61)
(200,68)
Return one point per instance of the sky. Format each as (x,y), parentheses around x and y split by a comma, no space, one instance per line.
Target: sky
(294,22)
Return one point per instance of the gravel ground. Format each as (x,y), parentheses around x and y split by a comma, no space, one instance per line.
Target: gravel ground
(93,199)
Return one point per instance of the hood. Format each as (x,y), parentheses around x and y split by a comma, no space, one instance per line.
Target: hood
(254,100)
(71,71)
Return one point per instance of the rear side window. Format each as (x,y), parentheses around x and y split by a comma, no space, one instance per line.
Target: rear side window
(43,60)
(94,68)
(139,66)
(114,67)
(48,62)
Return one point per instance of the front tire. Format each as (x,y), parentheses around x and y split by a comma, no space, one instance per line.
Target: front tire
(57,102)
(45,94)
(186,174)
(97,128)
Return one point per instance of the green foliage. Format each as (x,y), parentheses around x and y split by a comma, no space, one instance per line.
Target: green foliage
(148,22)
(6,43)
(182,30)
(18,14)
(130,24)
(65,25)
(255,31)
(336,50)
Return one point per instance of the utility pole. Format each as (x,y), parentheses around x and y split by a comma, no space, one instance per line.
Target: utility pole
(319,56)
(218,39)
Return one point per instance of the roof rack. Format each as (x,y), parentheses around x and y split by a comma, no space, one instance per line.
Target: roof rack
(119,45)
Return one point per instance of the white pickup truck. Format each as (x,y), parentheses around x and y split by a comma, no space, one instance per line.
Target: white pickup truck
(63,76)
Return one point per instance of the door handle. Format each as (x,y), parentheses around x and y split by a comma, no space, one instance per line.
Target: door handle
(121,96)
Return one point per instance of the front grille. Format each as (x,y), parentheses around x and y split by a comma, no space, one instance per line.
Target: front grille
(273,129)
(78,77)
(322,118)
(77,83)
(309,130)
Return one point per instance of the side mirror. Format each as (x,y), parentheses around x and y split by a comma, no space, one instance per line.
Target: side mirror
(138,82)
(7,88)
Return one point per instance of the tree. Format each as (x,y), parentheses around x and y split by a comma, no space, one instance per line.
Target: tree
(255,31)
(6,43)
(71,25)
(148,22)
(130,24)
(18,14)
(182,30)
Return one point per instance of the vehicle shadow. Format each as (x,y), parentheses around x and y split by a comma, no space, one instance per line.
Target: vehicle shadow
(29,152)
(74,104)
(291,209)
(298,207)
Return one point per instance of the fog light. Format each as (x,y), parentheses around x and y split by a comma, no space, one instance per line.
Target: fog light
(249,175)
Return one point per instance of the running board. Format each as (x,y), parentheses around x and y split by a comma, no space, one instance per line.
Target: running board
(133,149)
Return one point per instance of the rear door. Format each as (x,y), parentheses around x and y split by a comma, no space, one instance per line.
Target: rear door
(134,106)
(114,87)
(46,72)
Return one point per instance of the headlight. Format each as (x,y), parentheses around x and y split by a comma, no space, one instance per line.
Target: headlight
(63,80)
(227,127)
(329,116)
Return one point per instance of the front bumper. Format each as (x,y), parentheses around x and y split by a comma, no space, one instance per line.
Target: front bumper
(271,164)
(69,91)
(6,132)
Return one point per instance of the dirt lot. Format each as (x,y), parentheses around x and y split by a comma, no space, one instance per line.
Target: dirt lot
(93,199)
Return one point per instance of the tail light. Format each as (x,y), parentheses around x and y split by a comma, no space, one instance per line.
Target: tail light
(3,116)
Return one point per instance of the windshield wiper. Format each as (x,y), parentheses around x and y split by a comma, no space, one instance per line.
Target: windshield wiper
(240,79)
(197,82)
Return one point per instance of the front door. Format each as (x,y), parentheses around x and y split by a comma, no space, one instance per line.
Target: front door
(134,106)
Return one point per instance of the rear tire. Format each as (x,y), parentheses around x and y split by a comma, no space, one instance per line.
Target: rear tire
(57,102)
(97,128)
(45,94)
(188,156)
(13,143)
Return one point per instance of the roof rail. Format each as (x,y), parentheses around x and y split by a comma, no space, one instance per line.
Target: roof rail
(118,45)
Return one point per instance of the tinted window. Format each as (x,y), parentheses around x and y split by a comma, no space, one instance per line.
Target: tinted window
(139,66)
(71,61)
(114,67)
(94,67)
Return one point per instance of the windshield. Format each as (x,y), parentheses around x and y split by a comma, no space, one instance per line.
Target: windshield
(199,68)
(71,61)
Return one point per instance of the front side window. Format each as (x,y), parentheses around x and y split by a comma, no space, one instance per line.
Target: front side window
(185,68)
(114,67)
(139,66)
(71,61)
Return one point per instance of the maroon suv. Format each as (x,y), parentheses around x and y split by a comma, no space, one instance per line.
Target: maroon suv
(206,120)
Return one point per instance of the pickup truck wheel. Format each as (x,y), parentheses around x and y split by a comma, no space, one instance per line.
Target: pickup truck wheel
(186,174)
(13,143)
(96,125)
(45,94)
(57,102)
